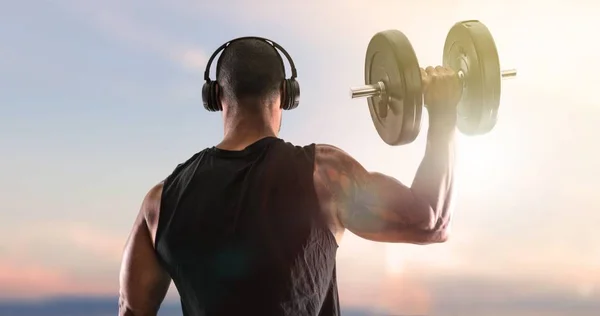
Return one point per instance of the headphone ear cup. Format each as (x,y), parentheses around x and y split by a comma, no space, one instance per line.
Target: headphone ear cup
(216,100)
(292,97)
(285,92)
(209,97)
(206,95)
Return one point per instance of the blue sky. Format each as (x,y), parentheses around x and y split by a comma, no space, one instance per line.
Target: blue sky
(99,100)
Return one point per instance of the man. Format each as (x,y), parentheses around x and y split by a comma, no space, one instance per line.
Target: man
(251,226)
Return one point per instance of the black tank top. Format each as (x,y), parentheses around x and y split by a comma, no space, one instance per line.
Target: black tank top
(241,233)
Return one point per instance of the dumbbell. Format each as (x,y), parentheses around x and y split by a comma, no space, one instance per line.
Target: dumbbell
(393,82)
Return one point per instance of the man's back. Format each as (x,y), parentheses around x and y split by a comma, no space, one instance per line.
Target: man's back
(242,231)
(255,231)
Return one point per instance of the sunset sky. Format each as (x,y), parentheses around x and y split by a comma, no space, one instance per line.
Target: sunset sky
(100,100)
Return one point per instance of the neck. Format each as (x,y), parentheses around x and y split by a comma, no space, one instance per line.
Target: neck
(242,132)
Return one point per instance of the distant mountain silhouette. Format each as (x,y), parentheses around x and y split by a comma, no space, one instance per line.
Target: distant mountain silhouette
(95,307)
(445,305)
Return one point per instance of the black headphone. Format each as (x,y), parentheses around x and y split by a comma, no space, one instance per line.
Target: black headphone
(289,99)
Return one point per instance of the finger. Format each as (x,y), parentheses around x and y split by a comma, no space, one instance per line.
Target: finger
(431,75)
(430,71)
(423,73)
(425,79)
(444,71)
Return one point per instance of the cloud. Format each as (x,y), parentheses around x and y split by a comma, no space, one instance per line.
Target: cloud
(506,226)
(66,267)
(58,258)
(49,258)
(119,22)
(434,294)
(193,59)
(21,280)
(508,296)
(98,243)
(349,24)
(412,293)
(67,244)
(467,273)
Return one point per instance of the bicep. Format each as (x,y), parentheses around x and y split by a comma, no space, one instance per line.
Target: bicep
(144,282)
(372,205)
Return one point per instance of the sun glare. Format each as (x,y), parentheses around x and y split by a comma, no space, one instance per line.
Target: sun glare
(480,159)
(393,260)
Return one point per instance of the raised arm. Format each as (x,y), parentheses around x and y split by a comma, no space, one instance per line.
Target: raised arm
(380,208)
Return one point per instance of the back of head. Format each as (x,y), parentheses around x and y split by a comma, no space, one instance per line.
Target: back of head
(250,73)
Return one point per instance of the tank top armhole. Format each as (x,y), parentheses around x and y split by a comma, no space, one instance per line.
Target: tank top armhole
(312,151)
(166,208)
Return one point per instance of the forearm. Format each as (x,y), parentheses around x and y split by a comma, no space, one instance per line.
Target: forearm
(434,179)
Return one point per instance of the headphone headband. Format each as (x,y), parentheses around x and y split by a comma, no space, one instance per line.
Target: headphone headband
(290,96)
(270,42)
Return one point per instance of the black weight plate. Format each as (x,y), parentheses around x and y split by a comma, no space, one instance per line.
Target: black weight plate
(396,114)
(470,48)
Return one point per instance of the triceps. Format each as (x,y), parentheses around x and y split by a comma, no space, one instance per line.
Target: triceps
(369,202)
(361,202)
